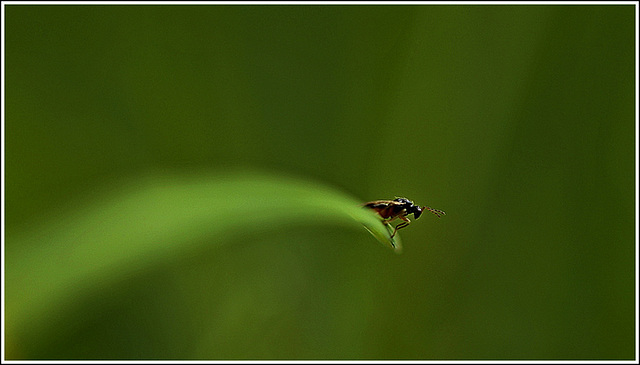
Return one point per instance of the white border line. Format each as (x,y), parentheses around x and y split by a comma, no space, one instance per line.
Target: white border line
(637,178)
(336,2)
(2,174)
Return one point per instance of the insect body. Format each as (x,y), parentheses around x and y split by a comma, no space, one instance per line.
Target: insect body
(399,208)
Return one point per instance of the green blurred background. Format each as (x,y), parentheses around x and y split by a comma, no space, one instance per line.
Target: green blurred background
(518,121)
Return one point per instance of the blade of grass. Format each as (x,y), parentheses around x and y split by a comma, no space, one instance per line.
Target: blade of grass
(154,219)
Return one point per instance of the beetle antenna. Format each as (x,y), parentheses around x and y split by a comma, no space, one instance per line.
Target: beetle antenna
(435,211)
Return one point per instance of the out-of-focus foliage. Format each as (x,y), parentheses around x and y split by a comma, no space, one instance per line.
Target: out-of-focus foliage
(518,121)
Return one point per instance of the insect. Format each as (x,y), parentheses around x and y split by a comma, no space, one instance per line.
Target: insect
(399,208)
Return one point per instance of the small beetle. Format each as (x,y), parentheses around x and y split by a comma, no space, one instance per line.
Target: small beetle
(399,208)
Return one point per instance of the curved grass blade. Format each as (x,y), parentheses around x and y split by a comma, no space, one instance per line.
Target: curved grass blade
(153,220)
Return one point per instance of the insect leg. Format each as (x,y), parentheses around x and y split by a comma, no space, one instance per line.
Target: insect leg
(401,225)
